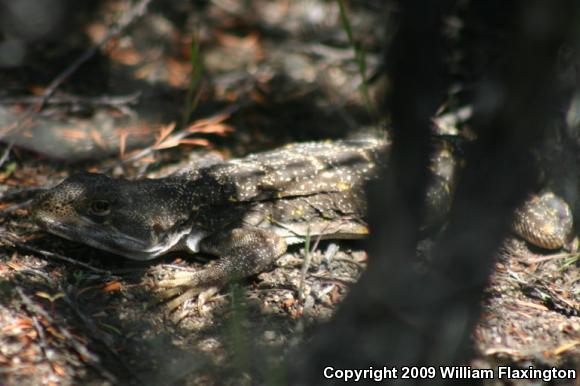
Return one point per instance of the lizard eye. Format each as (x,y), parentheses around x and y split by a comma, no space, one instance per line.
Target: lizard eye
(100,207)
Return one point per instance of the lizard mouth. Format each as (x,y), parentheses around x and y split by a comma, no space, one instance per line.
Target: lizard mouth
(111,240)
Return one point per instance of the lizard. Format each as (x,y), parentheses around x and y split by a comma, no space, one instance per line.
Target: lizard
(248,210)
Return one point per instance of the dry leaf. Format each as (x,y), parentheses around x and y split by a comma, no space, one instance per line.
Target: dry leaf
(112,286)
(164,132)
(194,141)
(58,369)
(123,135)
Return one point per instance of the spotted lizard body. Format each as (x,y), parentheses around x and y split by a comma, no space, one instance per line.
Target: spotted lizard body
(246,211)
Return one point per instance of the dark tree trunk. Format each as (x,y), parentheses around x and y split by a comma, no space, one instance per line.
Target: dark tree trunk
(397,315)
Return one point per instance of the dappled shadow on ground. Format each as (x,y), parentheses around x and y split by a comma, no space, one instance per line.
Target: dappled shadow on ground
(293,76)
(299,83)
(82,326)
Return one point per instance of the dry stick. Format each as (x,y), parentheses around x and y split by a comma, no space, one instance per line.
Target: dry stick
(53,255)
(113,274)
(136,12)
(6,152)
(552,292)
(15,193)
(548,287)
(104,100)
(90,324)
(92,359)
(41,337)
(13,207)
(129,18)
(556,256)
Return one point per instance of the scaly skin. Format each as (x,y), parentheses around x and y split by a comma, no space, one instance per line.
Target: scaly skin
(246,211)
(545,221)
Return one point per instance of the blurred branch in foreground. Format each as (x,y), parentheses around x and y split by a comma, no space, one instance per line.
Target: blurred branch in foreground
(396,315)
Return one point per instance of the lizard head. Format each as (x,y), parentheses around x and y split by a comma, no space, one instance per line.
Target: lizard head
(136,219)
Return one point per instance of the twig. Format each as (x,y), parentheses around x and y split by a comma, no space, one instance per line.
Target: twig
(6,152)
(556,256)
(14,207)
(41,335)
(90,325)
(91,358)
(129,18)
(52,255)
(105,100)
(14,193)
(17,193)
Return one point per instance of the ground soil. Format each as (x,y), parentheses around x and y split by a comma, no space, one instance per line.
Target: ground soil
(274,73)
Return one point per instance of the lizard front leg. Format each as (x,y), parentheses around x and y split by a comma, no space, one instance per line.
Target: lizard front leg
(243,252)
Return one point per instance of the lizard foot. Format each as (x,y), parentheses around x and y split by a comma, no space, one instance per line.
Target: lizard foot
(243,252)
(173,297)
(182,278)
(203,296)
(182,286)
